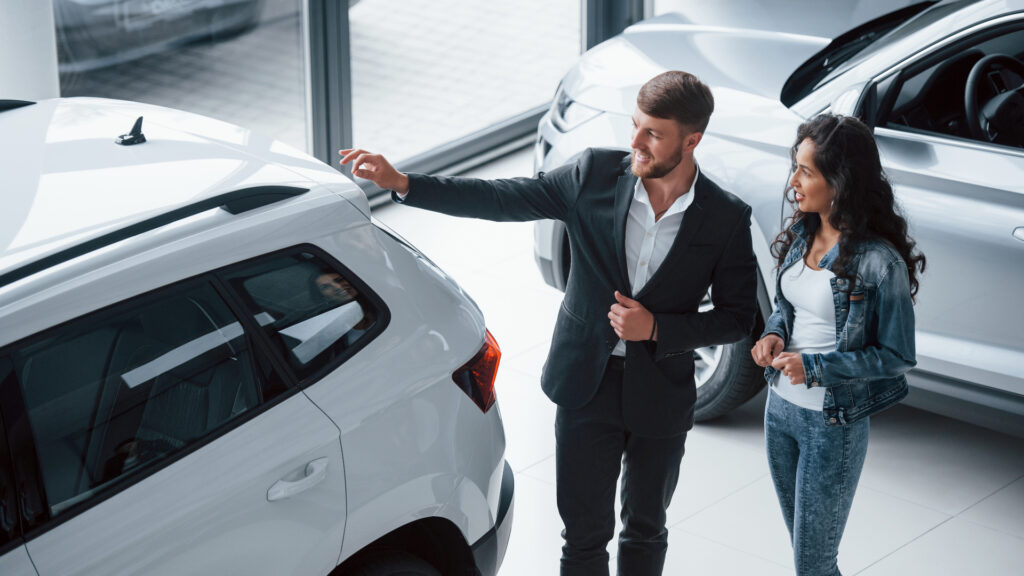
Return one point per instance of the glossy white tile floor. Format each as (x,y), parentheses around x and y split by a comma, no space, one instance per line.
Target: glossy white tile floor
(937,496)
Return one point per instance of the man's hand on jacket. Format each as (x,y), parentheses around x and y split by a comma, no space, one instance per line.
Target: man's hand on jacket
(630,320)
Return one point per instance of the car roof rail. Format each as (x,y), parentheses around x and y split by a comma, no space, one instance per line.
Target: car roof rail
(234,202)
(6,105)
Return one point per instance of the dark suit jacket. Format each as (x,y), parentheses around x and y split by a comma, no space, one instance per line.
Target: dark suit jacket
(592,196)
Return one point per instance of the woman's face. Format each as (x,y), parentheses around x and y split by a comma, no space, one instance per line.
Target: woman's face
(813,193)
(336,288)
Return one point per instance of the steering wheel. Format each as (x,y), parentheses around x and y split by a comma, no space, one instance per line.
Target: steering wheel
(1001,118)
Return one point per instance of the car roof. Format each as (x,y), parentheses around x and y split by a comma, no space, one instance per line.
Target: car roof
(67,183)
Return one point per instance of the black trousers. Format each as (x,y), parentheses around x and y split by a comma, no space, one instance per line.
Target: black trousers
(591,445)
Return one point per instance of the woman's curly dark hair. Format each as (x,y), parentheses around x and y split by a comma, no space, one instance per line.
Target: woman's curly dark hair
(864,206)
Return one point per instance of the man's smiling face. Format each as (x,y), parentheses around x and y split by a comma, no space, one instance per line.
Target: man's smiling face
(657,145)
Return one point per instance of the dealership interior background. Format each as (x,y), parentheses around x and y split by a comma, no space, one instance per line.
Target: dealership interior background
(457,87)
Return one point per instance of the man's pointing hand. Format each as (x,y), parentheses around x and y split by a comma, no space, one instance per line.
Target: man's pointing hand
(376,169)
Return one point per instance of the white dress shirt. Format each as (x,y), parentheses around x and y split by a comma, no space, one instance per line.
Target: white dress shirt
(648,241)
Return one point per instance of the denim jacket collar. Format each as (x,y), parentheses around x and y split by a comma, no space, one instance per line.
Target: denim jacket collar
(799,248)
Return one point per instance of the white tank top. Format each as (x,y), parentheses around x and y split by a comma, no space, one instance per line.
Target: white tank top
(814,326)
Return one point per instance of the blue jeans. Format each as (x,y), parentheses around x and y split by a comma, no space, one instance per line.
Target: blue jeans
(815,469)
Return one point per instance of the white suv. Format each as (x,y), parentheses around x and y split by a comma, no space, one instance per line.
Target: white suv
(213,361)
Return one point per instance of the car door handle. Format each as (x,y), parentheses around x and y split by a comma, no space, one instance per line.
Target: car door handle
(315,473)
(1019,233)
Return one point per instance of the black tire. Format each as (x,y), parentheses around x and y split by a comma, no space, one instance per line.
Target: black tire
(392,563)
(736,380)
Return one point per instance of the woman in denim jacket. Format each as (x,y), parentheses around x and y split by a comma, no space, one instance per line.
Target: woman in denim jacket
(841,338)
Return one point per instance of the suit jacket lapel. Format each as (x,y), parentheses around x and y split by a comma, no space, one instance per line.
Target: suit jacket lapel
(623,196)
(692,220)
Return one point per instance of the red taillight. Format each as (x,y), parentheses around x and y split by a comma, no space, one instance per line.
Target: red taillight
(476,377)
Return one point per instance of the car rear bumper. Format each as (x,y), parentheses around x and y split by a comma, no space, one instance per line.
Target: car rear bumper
(489,550)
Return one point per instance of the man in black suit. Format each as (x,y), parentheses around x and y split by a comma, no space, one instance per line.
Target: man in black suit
(649,234)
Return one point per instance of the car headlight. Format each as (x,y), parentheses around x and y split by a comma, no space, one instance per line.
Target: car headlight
(567,114)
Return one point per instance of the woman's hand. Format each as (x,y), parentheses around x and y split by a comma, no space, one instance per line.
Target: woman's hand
(791,365)
(766,349)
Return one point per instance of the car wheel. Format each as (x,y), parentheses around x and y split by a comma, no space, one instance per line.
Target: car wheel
(393,563)
(726,376)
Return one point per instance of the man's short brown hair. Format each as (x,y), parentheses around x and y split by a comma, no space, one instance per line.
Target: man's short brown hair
(680,96)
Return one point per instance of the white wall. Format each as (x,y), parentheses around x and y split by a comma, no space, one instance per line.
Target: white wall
(28,50)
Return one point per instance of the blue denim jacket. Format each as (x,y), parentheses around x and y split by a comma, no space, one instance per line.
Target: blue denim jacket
(874,332)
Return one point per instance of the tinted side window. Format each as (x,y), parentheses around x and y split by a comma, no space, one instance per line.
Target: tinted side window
(313,311)
(8,488)
(932,99)
(121,390)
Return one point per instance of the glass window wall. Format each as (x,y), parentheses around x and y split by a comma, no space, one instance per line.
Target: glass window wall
(240,61)
(428,73)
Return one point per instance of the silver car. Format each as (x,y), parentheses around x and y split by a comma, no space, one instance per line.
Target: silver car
(93,34)
(943,86)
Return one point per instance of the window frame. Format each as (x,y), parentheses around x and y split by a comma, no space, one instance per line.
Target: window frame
(7,462)
(24,458)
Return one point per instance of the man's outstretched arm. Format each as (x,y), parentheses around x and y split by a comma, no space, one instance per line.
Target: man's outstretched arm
(550,195)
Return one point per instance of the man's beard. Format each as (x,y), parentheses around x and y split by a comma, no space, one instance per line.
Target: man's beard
(657,169)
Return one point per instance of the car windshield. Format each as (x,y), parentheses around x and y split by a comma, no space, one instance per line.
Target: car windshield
(819,68)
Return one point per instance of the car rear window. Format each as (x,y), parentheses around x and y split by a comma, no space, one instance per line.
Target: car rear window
(316,313)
